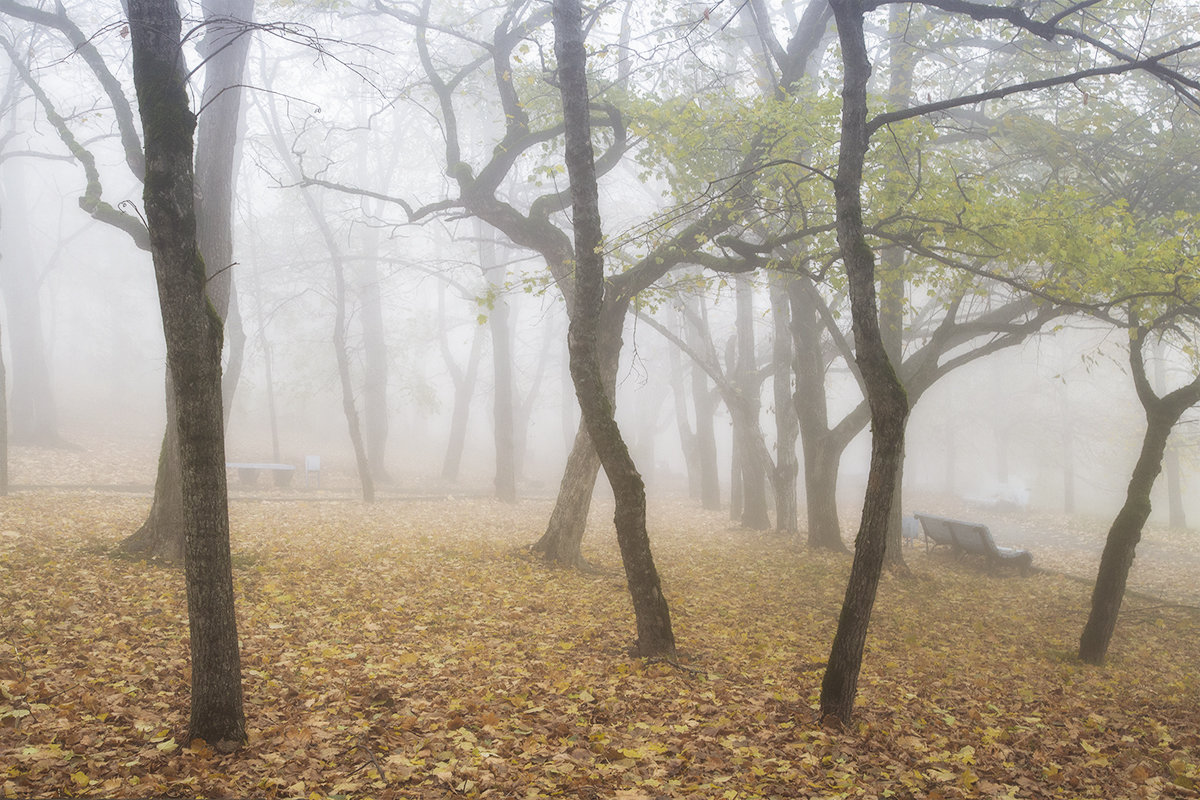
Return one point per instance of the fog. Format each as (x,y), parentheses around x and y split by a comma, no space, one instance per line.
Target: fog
(353,111)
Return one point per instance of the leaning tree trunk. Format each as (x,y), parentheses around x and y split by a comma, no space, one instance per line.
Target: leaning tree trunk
(655,637)
(1162,413)
(225,45)
(193,334)
(562,542)
(889,406)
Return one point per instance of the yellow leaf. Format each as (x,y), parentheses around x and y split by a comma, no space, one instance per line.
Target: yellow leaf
(80,779)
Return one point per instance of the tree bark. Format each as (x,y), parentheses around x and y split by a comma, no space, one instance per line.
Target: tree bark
(193,332)
(889,406)
(654,632)
(1162,413)
(225,45)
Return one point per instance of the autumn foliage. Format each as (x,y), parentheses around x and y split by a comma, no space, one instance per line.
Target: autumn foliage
(410,649)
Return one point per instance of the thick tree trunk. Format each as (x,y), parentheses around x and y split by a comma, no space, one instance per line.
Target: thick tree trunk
(193,335)
(225,44)
(1162,413)
(889,406)
(821,452)
(654,633)
(161,536)
(787,429)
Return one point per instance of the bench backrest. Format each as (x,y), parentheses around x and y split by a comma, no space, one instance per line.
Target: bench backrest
(975,539)
(937,529)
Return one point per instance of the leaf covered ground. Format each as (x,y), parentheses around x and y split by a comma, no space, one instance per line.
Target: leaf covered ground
(410,650)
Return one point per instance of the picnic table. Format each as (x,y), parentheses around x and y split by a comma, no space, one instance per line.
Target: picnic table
(972,538)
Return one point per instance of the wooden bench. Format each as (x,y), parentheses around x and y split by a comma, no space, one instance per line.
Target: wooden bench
(972,538)
(248,473)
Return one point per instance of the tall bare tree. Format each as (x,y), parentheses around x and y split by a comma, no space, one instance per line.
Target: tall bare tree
(194,338)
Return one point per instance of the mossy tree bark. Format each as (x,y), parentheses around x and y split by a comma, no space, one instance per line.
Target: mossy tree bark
(655,636)
(1162,413)
(193,332)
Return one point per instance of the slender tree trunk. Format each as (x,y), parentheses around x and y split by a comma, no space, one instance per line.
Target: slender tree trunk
(754,475)
(687,437)
(1175,515)
(235,338)
(341,353)
(464,390)
(706,422)
(787,429)
(193,333)
(1162,413)
(375,363)
(889,406)
(503,417)
(655,636)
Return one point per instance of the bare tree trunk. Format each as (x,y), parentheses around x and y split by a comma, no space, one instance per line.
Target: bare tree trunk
(889,406)
(502,368)
(464,389)
(706,415)
(375,364)
(194,336)
(1162,413)
(822,454)
(687,437)
(655,636)
(754,476)
(787,429)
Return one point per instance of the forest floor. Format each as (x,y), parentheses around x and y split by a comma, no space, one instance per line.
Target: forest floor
(412,649)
